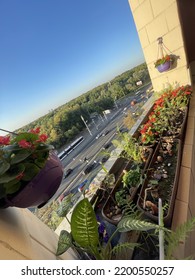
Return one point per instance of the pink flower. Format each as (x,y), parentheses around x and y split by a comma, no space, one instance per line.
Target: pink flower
(42,138)
(24,144)
(35,131)
(4,140)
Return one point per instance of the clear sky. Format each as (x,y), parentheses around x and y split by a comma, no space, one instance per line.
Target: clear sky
(54,50)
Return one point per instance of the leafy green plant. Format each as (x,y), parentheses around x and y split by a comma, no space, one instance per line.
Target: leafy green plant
(174,238)
(163,60)
(131,149)
(22,156)
(84,234)
(132,178)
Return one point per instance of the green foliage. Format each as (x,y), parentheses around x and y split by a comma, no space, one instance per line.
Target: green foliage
(64,123)
(64,243)
(118,249)
(84,226)
(65,206)
(132,178)
(128,223)
(174,238)
(22,156)
(129,146)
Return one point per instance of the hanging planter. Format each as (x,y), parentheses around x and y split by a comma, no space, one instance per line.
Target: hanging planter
(165,66)
(30,171)
(163,63)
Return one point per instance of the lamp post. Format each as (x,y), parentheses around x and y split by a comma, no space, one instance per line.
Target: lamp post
(86,125)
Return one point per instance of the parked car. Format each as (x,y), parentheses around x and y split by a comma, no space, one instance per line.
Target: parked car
(68,172)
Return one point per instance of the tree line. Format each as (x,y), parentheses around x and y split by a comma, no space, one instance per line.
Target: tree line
(64,123)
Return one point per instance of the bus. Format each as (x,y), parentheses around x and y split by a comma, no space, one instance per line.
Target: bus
(70,148)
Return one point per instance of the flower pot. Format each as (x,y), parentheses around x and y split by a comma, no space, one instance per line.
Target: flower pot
(41,188)
(110,205)
(179,126)
(161,181)
(164,67)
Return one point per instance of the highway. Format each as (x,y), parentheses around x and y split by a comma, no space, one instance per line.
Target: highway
(91,147)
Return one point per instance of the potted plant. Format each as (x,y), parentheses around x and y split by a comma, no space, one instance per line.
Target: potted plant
(30,170)
(89,235)
(161,181)
(127,185)
(164,63)
(168,116)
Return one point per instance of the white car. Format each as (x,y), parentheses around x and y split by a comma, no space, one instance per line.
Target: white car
(98,136)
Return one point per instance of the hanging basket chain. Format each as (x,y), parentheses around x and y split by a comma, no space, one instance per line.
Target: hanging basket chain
(162,48)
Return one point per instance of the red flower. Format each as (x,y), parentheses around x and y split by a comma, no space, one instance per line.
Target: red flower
(35,131)
(4,140)
(20,176)
(42,138)
(24,144)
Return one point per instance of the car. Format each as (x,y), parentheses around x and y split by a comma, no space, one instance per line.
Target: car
(81,186)
(68,172)
(89,168)
(105,132)
(107,145)
(98,136)
(104,159)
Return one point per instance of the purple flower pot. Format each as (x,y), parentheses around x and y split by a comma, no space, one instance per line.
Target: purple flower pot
(164,67)
(42,187)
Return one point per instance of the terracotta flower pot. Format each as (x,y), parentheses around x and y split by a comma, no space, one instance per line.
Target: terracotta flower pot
(42,187)
(164,67)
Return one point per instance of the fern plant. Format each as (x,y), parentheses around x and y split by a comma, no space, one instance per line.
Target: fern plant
(84,236)
(174,238)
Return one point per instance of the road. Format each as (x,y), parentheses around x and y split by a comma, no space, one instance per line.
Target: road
(91,147)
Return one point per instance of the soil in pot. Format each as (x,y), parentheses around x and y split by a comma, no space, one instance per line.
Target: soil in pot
(161,181)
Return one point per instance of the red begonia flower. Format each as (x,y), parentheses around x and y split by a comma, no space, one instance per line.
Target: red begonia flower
(4,140)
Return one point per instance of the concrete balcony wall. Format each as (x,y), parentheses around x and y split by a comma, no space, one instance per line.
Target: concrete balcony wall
(184,204)
(24,237)
(154,19)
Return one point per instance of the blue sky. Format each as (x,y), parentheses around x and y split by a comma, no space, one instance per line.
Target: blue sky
(54,50)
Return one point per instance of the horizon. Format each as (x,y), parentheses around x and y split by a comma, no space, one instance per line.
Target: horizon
(52,52)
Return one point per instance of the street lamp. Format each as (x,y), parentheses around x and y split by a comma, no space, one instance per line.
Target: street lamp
(86,125)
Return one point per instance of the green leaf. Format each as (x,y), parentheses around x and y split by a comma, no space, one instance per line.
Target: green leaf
(30,137)
(44,147)
(12,187)
(128,223)
(124,246)
(64,242)
(19,156)
(31,170)
(84,225)
(4,166)
(12,173)
(65,206)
